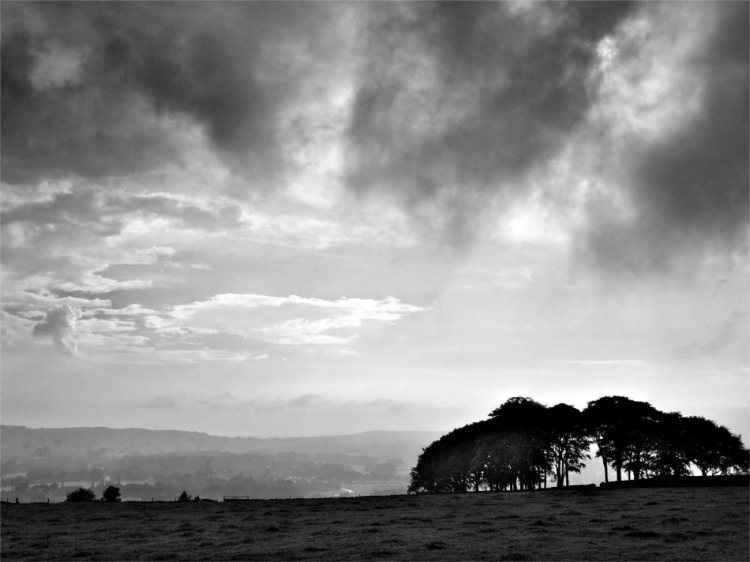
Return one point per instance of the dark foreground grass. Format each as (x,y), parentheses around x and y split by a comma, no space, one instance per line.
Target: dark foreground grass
(645,524)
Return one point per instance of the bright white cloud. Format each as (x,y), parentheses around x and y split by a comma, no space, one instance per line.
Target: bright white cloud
(32,300)
(644,88)
(235,313)
(130,310)
(300,331)
(99,325)
(389,308)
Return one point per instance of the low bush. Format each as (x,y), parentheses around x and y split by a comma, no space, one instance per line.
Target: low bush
(80,495)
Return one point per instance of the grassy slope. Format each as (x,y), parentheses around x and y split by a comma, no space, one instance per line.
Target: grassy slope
(656,524)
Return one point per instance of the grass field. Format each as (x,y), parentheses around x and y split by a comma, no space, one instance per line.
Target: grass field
(641,524)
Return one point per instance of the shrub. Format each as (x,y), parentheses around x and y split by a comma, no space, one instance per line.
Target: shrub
(111,494)
(80,495)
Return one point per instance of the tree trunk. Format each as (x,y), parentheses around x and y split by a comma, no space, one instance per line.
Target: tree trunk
(606,471)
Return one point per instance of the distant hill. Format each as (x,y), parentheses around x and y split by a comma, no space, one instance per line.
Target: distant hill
(23,442)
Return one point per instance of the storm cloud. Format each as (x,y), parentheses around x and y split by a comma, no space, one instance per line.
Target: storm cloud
(688,186)
(460,101)
(449,109)
(470,94)
(464,104)
(139,69)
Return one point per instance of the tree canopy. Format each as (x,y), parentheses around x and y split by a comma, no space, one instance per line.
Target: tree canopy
(111,494)
(80,495)
(523,443)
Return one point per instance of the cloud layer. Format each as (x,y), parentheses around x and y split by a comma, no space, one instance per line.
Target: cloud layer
(135,71)
(181,182)
(614,112)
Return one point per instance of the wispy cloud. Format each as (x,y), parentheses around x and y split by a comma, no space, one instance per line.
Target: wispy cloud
(607,362)
(310,402)
(304,401)
(346,314)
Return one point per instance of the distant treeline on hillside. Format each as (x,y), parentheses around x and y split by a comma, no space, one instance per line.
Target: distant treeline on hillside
(524,442)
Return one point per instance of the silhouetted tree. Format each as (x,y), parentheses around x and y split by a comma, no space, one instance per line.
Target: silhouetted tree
(568,441)
(741,463)
(184,497)
(713,448)
(669,456)
(642,434)
(519,411)
(523,441)
(621,429)
(520,422)
(491,458)
(80,495)
(111,494)
(446,465)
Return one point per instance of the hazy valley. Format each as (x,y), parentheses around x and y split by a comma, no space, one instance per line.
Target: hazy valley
(41,464)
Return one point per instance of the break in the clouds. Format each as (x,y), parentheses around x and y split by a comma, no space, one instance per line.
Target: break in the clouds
(377,198)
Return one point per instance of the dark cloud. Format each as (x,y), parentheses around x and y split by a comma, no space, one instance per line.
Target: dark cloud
(85,128)
(59,324)
(228,67)
(455,105)
(459,102)
(506,85)
(689,189)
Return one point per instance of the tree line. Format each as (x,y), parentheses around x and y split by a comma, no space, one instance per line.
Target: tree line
(112,495)
(80,495)
(523,443)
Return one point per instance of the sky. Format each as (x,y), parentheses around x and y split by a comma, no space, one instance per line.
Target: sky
(310,218)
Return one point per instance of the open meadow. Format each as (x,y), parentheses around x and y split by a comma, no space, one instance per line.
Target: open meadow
(585,524)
